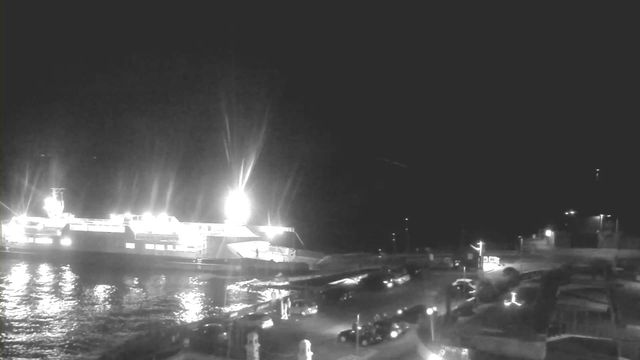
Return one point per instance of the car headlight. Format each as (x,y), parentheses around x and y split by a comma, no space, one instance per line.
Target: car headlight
(389,285)
(393,334)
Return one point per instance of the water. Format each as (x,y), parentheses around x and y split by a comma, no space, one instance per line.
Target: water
(78,311)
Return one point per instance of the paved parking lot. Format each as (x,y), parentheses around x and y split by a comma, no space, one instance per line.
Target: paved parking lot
(281,341)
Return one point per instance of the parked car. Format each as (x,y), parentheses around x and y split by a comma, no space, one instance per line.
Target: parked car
(255,320)
(367,336)
(303,308)
(399,278)
(462,284)
(378,282)
(336,294)
(410,315)
(391,329)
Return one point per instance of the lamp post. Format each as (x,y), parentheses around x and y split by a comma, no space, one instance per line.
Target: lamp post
(479,250)
(406,230)
(357,333)
(432,312)
(521,246)
(393,239)
(602,216)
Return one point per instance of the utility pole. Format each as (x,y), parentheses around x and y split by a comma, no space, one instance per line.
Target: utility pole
(521,243)
(357,333)
(406,229)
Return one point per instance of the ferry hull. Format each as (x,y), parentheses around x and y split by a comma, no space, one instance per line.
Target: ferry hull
(231,267)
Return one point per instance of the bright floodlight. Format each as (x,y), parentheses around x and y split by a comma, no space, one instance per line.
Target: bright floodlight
(429,311)
(548,233)
(237,209)
(53,207)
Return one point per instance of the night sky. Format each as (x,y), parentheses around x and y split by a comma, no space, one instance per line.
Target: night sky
(350,119)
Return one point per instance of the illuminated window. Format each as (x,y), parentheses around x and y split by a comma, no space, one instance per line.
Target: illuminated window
(65,241)
(149,246)
(130,245)
(159,247)
(171,247)
(181,248)
(44,240)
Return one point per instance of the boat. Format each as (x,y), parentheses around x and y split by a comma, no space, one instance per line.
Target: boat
(160,240)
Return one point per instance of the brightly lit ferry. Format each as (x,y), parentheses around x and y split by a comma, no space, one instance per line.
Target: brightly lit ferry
(160,238)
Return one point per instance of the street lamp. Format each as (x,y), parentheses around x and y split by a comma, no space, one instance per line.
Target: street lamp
(432,312)
(602,219)
(393,239)
(479,250)
(548,233)
(237,208)
(406,230)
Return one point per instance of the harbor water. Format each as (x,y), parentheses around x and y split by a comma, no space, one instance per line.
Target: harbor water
(78,311)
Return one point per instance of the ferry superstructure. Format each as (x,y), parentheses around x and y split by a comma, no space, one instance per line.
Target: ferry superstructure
(145,235)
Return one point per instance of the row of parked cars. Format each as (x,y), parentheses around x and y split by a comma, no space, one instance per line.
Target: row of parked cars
(388,328)
(213,335)
(376,281)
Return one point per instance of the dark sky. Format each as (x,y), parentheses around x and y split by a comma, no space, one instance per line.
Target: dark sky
(500,118)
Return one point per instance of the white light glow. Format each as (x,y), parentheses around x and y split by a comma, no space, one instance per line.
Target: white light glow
(393,334)
(548,233)
(53,207)
(237,208)
(429,311)
(147,216)
(513,300)
(65,241)
(44,240)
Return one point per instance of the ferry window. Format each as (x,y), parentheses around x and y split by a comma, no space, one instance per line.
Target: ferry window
(130,245)
(159,247)
(180,248)
(171,247)
(149,246)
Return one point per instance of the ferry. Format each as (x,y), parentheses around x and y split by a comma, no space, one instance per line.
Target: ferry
(161,240)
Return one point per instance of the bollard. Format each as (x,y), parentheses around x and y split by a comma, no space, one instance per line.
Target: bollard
(305,350)
(253,346)
(284,312)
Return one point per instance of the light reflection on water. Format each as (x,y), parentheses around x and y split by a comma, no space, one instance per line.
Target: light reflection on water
(78,311)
